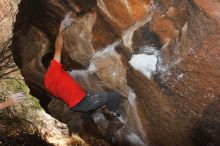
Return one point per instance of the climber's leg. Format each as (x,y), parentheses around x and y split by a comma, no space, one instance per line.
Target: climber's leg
(91,102)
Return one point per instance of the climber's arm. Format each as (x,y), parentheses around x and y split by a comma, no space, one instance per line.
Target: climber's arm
(12,100)
(59,39)
(59,44)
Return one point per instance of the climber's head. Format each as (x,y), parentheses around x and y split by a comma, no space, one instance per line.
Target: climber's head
(46,59)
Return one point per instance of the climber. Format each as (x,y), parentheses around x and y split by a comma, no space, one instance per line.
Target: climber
(12,100)
(61,85)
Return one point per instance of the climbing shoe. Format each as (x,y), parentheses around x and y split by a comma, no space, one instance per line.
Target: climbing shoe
(111,113)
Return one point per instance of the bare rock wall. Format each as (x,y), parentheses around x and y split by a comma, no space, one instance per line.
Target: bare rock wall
(162,56)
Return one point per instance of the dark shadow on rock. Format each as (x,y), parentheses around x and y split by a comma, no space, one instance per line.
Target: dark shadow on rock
(144,37)
(23,139)
(86,5)
(40,93)
(207,130)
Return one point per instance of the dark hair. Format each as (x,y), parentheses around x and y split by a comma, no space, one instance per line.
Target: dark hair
(46,59)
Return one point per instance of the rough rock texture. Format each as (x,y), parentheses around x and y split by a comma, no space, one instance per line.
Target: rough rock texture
(162,56)
(7,18)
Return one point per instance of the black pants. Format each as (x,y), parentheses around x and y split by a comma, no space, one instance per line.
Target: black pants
(91,102)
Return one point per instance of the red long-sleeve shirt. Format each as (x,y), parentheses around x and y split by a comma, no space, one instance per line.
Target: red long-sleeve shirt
(60,84)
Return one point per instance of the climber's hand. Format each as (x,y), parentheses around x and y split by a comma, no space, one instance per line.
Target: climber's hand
(15,98)
(67,21)
(68,15)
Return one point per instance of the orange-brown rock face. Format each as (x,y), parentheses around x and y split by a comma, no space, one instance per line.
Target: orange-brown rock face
(162,56)
(130,12)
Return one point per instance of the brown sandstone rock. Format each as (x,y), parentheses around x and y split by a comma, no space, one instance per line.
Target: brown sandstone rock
(130,12)
(169,107)
(77,39)
(108,66)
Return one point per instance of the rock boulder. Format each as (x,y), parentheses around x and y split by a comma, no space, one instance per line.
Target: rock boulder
(162,56)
